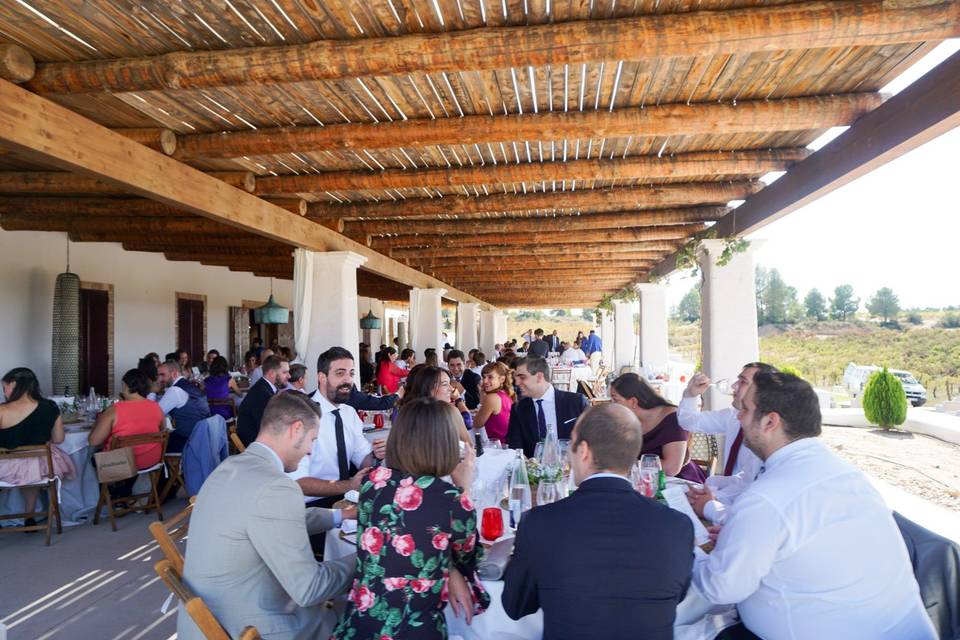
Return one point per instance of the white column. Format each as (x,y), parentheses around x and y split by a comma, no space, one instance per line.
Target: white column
(333,305)
(499,327)
(488,334)
(626,344)
(425,321)
(728,316)
(467,313)
(653,328)
(608,338)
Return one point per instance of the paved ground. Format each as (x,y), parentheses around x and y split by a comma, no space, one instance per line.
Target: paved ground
(89,583)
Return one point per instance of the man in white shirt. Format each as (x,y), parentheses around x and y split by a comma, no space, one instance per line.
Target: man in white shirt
(573,355)
(809,549)
(324,475)
(740,464)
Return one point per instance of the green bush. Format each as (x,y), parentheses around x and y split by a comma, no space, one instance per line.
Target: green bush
(884,401)
(950,321)
(791,370)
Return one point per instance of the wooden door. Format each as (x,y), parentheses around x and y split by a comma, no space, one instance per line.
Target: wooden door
(190,328)
(94,341)
(239,335)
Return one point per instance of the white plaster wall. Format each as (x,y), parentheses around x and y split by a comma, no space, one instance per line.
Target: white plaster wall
(144,297)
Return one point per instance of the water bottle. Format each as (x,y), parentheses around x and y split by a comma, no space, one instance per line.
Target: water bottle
(520,499)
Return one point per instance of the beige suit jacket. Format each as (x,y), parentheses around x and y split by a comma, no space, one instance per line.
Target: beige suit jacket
(248,553)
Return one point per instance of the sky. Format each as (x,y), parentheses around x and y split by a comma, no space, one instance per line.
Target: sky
(897,227)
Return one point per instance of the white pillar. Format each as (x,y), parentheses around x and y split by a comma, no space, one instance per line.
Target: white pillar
(487,331)
(426,323)
(467,313)
(728,316)
(500,327)
(333,305)
(653,328)
(625,348)
(608,338)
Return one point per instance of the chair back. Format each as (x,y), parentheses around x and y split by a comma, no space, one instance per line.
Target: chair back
(41,451)
(561,378)
(171,532)
(702,448)
(225,402)
(235,439)
(195,606)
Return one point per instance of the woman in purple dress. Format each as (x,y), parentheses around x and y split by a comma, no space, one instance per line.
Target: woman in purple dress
(218,386)
(662,434)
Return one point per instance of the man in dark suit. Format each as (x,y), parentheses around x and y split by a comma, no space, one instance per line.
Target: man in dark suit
(628,586)
(553,341)
(542,406)
(539,347)
(276,373)
(463,380)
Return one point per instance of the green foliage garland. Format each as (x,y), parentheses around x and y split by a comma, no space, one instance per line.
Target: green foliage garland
(884,401)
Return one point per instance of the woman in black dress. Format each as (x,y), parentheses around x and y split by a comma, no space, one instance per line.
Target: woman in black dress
(415,532)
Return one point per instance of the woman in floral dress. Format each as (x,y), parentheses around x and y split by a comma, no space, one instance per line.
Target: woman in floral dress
(413,530)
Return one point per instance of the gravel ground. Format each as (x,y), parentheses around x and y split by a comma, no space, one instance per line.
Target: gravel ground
(921,465)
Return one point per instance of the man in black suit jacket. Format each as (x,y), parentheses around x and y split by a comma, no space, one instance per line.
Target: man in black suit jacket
(468,381)
(539,347)
(553,341)
(557,408)
(276,373)
(605,562)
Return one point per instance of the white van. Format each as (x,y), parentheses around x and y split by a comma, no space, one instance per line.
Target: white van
(855,379)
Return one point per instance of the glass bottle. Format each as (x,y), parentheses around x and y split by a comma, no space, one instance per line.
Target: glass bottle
(519,499)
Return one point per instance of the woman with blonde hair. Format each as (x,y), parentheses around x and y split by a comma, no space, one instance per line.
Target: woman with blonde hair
(497,401)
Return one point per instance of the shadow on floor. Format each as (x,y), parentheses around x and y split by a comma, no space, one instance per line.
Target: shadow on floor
(89,583)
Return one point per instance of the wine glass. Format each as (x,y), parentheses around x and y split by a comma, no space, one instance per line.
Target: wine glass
(650,472)
(491,523)
(550,492)
(723,386)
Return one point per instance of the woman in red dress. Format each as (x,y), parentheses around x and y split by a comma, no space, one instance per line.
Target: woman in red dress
(389,374)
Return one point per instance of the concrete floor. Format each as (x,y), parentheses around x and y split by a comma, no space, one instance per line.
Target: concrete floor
(89,583)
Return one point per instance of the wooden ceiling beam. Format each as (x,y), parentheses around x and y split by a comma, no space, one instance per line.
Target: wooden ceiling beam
(539,224)
(510,257)
(61,182)
(702,33)
(530,266)
(16,63)
(580,250)
(714,118)
(209,249)
(645,234)
(50,133)
(537,273)
(681,165)
(616,199)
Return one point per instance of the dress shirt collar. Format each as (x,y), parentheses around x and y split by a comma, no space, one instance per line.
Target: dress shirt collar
(272,387)
(548,396)
(325,405)
(786,451)
(604,474)
(272,453)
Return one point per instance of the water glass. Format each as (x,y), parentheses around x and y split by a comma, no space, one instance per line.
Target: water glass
(723,386)
(550,492)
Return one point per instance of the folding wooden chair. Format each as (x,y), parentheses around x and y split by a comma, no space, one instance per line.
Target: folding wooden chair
(561,377)
(49,483)
(151,497)
(235,442)
(172,532)
(209,626)
(225,402)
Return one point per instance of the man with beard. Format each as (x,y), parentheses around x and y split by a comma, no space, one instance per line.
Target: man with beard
(325,475)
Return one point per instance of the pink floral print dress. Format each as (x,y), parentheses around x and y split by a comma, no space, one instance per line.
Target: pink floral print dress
(410,530)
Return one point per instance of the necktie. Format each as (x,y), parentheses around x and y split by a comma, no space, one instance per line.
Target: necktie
(541,420)
(734,452)
(341,447)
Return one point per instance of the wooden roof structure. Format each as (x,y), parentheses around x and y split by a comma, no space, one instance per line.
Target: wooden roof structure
(557,141)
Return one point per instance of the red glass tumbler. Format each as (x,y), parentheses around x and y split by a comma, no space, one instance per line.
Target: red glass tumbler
(378,421)
(491,526)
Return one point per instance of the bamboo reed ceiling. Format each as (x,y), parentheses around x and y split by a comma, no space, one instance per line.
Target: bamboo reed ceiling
(463,115)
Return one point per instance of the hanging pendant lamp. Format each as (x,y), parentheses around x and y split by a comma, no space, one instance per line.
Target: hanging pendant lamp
(272,312)
(65,356)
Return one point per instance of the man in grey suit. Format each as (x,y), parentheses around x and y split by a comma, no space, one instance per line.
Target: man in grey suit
(248,553)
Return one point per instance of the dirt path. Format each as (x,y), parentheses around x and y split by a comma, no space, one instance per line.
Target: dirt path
(921,465)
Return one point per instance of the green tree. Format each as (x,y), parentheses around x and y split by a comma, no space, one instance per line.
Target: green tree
(915,318)
(761,280)
(884,401)
(816,305)
(843,305)
(560,313)
(689,308)
(779,300)
(884,305)
(949,321)
(587,314)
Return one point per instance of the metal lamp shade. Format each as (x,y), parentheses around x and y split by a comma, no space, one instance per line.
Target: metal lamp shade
(66,334)
(271,313)
(370,321)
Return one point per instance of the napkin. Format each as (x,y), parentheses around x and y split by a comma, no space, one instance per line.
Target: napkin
(348,526)
(352,495)
(494,563)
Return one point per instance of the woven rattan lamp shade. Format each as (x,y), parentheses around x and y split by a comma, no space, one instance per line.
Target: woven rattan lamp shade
(66,334)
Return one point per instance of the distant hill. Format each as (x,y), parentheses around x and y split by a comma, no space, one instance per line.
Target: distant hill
(821,351)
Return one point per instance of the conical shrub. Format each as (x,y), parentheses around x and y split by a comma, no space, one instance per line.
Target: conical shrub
(884,401)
